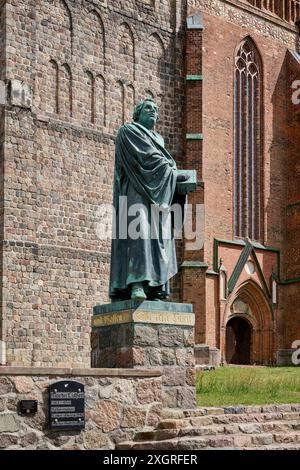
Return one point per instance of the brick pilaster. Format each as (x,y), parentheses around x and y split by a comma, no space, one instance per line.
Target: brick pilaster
(193,268)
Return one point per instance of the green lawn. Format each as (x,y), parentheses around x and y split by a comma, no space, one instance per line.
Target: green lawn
(248,386)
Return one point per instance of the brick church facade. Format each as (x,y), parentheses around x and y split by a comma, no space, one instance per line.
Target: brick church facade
(224,73)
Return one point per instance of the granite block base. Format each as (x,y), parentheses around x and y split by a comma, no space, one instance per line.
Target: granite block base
(149,334)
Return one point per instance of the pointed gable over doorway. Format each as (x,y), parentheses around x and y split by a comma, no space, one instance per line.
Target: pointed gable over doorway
(247,254)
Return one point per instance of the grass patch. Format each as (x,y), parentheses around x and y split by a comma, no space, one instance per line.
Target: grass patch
(248,386)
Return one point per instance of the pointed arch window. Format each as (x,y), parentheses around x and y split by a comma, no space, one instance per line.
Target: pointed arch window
(247,142)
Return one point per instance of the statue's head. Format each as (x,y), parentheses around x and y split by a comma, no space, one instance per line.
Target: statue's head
(146,113)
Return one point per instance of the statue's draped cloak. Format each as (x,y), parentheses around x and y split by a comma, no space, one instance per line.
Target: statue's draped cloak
(146,174)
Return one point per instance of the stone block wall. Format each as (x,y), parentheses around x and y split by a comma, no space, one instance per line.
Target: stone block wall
(75,70)
(2,127)
(167,347)
(117,404)
(149,334)
(47,325)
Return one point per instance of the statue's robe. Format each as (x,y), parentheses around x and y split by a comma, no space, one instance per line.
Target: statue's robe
(146,174)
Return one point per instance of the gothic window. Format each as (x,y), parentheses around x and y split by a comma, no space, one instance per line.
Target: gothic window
(247,142)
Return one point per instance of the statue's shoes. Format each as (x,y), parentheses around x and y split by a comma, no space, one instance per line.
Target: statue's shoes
(137,293)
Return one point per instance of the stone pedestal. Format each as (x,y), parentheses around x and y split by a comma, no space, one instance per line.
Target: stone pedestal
(148,334)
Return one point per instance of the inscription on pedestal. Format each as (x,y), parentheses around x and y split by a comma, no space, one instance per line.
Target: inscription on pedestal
(112,319)
(140,316)
(66,406)
(164,318)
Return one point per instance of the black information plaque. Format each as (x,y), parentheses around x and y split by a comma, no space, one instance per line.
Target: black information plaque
(66,406)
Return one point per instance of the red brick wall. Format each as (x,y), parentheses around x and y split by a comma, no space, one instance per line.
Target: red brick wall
(226,24)
(291,292)
(218,68)
(290,315)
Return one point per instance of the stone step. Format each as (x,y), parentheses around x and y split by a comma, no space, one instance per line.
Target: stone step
(281,426)
(168,413)
(252,418)
(178,423)
(161,434)
(148,445)
(238,441)
(208,420)
(239,409)
(241,427)
(268,447)
(249,428)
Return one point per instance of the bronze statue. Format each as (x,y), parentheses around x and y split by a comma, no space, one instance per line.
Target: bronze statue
(143,257)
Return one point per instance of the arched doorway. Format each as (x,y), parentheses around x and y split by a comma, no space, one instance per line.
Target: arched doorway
(250,306)
(238,341)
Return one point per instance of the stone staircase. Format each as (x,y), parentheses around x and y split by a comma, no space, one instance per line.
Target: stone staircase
(271,427)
